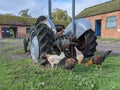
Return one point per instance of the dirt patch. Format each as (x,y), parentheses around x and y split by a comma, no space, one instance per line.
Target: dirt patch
(102,47)
(8,45)
(20,56)
(109,45)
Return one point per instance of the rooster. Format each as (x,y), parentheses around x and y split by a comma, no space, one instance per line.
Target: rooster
(54,59)
(69,63)
(79,56)
(99,59)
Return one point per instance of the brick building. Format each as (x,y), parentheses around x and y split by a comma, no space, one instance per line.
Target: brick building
(14,26)
(105,18)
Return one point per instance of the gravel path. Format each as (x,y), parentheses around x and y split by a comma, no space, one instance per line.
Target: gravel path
(102,45)
(109,45)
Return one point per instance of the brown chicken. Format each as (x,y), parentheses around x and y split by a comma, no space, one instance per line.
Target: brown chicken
(79,56)
(69,63)
(54,59)
(98,60)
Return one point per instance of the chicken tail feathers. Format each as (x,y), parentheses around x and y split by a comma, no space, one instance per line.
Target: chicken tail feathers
(107,53)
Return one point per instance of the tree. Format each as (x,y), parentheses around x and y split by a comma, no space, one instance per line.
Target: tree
(59,14)
(24,13)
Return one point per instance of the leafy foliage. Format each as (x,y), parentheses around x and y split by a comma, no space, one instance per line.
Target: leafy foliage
(65,23)
(24,13)
(60,14)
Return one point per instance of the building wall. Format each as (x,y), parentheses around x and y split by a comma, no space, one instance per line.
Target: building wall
(106,33)
(21,31)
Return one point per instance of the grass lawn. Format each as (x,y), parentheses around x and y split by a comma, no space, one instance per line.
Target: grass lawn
(22,74)
(109,39)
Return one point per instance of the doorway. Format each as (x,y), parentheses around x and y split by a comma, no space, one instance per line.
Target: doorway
(98,27)
(5,32)
(13,32)
(9,32)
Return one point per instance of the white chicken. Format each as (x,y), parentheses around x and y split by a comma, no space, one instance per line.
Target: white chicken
(79,56)
(54,59)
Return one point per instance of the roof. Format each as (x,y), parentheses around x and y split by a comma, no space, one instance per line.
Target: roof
(103,8)
(16,20)
(22,21)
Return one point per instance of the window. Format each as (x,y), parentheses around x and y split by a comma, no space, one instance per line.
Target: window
(27,30)
(112,22)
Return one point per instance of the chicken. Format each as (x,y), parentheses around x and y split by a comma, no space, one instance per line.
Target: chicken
(99,59)
(69,63)
(54,59)
(79,56)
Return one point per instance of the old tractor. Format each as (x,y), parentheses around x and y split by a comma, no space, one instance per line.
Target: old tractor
(44,38)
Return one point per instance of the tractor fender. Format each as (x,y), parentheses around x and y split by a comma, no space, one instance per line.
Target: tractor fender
(81,26)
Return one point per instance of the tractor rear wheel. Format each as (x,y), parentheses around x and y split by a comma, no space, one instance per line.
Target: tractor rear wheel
(87,43)
(44,34)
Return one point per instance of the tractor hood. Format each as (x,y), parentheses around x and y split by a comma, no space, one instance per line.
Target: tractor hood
(81,26)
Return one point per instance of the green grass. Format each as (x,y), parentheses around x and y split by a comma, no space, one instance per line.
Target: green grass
(22,74)
(109,39)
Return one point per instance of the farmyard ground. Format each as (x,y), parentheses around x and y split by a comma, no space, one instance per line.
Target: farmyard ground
(17,72)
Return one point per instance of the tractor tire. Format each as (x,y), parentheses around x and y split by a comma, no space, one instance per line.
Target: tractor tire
(87,43)
(45,37)
(41,40)
(33,32)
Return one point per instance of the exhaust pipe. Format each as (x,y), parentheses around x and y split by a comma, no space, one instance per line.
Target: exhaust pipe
(73,19)
(49,9)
